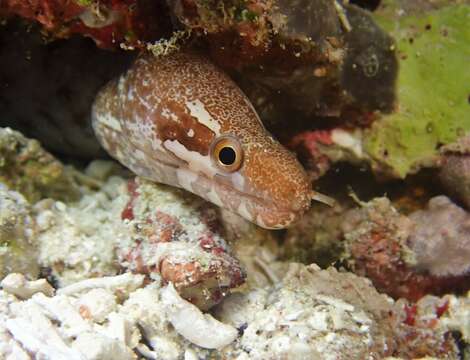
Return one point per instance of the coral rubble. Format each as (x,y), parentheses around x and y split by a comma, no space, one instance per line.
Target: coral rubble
(311,314)
(325,314)
(75,245)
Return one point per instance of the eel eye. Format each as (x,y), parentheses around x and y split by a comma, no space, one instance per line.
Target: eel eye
(227,153)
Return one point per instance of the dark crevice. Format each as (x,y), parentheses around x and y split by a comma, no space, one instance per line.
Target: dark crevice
(366,4)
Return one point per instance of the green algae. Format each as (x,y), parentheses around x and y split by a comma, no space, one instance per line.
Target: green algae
(433,89)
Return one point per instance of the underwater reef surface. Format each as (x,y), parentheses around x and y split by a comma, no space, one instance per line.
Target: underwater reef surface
(432,104)
(98,263)
(136,267)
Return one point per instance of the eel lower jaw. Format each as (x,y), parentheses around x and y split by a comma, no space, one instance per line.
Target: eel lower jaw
(261,211)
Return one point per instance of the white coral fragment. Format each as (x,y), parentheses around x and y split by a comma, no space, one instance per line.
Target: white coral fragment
(124,283)
(201,329)
(19,286)
(97,304)
(82,323)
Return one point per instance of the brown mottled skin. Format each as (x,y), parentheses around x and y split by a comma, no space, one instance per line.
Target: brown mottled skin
(160,119)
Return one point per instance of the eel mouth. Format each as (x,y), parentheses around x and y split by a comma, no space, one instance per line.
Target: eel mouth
(262,211)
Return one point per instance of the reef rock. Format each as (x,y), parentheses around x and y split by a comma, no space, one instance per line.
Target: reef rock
(324,314)
(27,168)
(411,256)
(440,239)
(108,23)
(18,243)
(311,314)
(455,170)
(178,236)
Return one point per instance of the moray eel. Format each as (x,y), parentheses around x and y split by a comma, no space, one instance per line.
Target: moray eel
(179,120)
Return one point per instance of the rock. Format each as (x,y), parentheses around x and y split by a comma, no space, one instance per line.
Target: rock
(27,168)
(18,243)
(176,235)
(108,24)
(408,256)
(325,314)
(440,239)
(455,169)
(432,48)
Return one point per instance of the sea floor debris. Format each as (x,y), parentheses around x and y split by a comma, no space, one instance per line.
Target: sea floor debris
(107,281)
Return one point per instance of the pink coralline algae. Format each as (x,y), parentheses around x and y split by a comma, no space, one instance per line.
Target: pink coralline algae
(178,238)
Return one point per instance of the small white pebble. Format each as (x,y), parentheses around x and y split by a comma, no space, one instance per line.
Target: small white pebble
(190,354)
(60,206)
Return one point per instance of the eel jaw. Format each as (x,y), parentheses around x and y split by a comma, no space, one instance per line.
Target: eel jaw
(261,211)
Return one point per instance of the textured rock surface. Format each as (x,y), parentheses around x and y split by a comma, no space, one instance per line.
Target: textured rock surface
(27,168)
(18,243)
(398,253)
(440,239)
(78,239)
(325,314)
(178,236)
(311,314)
(455,170)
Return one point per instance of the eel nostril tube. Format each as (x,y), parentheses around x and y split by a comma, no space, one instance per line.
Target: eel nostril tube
(324,199)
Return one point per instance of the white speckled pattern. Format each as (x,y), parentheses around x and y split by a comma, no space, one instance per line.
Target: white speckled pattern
(160,119)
